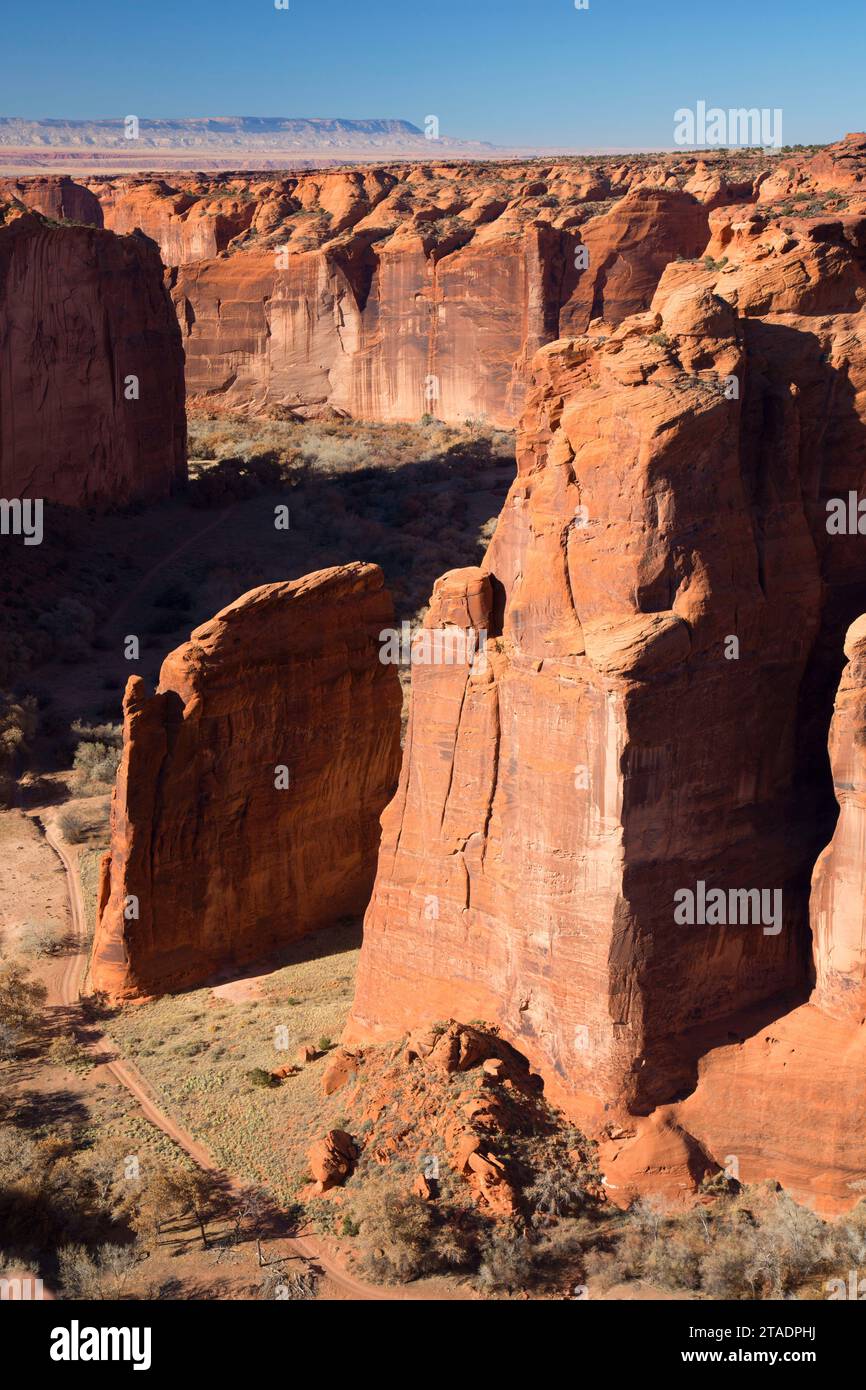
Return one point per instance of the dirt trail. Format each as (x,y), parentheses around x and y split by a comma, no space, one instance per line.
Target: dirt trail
(67,992)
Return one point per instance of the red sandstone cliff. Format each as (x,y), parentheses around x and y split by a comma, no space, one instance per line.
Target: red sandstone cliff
(838,907)
(81,313)
(390,292)
(611,753)
(61,199)
(225,864)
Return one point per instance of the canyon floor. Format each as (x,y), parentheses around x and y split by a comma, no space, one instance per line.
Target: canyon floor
(177,1089)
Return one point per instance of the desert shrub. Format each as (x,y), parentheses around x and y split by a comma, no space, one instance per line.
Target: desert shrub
(95,764)
(405,1237)
(18,721)
(40,939)
(331,453)
(507,1263)
(768,1256)
(46,1198)
(10,1042)
(110,734)
(259,1077)
(65,1051)
(677,1260)
(21,999)
(563,1187)
(98,1274)
(73,827)
(757,1245)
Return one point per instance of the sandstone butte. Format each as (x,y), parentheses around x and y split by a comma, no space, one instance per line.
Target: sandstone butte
(387,292)
(609,751)
(82,311)
(225,866)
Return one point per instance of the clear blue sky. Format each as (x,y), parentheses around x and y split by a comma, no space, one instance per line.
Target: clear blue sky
(519,72)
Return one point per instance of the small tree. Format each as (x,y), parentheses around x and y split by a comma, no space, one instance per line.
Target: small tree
(21,1001)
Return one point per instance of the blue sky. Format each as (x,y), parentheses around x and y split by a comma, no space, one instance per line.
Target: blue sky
(515,72)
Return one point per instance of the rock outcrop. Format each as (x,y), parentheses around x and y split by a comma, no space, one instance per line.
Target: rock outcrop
(60,199)
(247,801)
(91,367)
(838,906)
(437,314)
(332,1159)
(662,603)
(389,292)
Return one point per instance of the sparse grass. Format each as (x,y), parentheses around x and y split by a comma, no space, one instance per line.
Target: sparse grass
(89,861)
(198,1051)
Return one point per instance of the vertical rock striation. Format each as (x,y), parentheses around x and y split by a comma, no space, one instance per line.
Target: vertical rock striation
(838,906)
(662,595)
(225,861)
(82,312)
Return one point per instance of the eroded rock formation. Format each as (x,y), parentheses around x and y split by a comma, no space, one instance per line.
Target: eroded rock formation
(248,797)
(784,1099)
(663,602)
(388,292)
(838,907)
(91,366)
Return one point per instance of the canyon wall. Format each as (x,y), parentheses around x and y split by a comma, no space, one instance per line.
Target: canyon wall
(782,1097)
(663,602)
(246,809)
(82,314)
(387,293)
(391,328)
(838,907)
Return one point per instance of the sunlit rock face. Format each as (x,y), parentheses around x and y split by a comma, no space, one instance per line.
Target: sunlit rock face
(663,607)
(246,810)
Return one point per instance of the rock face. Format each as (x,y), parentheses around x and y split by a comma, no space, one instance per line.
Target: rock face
(82,313)
(390,292)
(226,861)
(838,907)
(628,248)
(437,317)
(662,599)
(61,199)
(185,228)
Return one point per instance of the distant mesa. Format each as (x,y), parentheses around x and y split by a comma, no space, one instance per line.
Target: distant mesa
(215,135)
